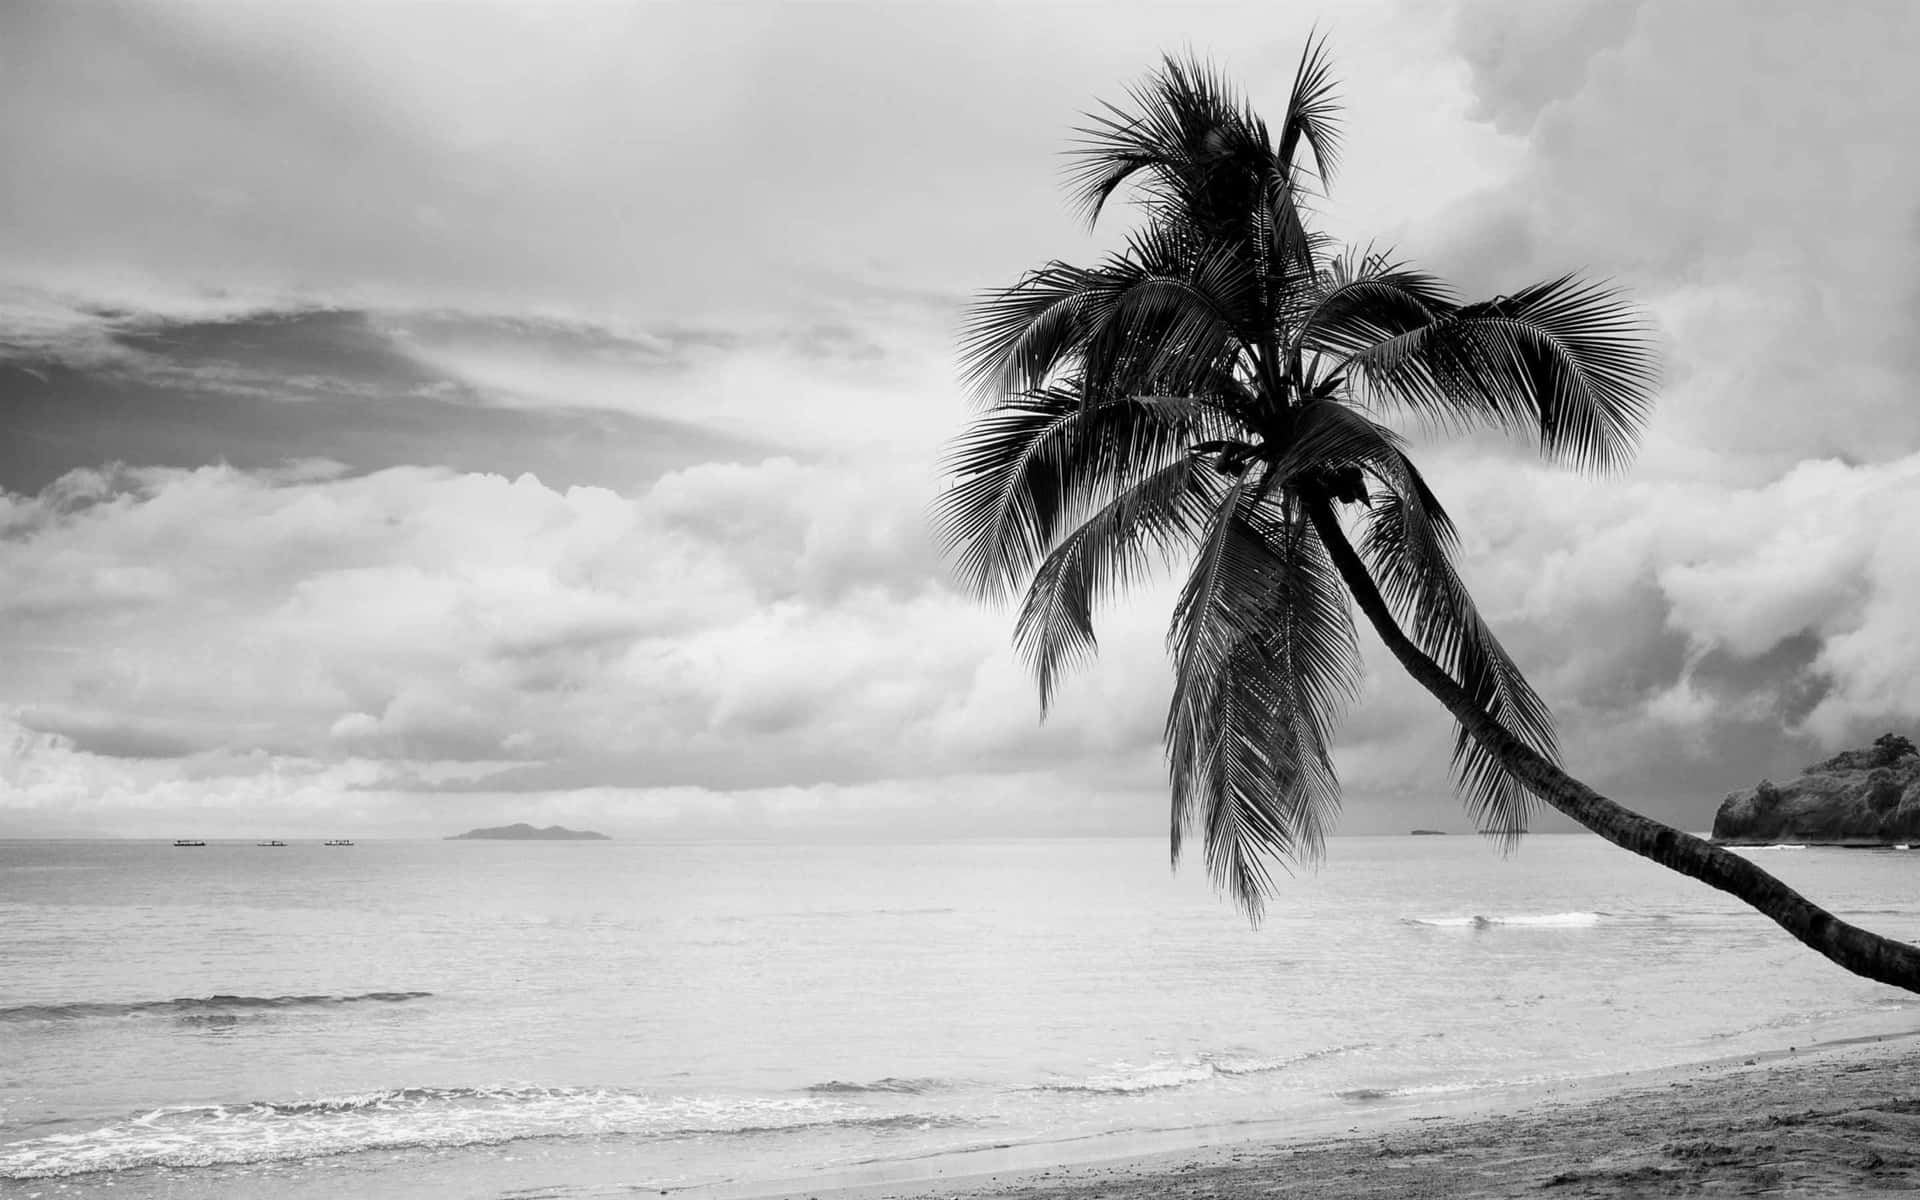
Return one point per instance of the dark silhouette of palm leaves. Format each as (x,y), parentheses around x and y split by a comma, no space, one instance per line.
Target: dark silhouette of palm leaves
(1197,398)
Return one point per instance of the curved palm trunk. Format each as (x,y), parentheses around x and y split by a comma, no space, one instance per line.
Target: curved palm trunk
(1854,948)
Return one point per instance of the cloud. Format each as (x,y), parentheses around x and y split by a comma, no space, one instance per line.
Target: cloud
(51,787)
(612,352)
(728,627)
(740,629)
(809,388)
(1748,173)
(258,388)
(1528,57)
(645,163)
(1690,635)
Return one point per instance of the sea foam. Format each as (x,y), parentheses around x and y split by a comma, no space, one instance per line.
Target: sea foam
(1124,1077)
(1560,920)
(413,1118)
(889,1086)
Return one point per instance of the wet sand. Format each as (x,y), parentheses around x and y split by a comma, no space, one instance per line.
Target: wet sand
(1835,1121)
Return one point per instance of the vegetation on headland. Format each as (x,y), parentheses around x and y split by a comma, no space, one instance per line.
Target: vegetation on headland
(1212,395)
(1865,797)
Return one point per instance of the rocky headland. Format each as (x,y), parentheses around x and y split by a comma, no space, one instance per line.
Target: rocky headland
(523,832)
(1868,797)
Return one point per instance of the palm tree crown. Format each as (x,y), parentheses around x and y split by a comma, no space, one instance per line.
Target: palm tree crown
(1210,397)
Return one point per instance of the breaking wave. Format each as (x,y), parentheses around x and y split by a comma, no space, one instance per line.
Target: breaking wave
(1126,1078)
(189,1006)
(1562,920)
(417,1118)
(889,1085)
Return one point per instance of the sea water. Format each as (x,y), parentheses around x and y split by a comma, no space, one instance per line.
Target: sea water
(538,1019)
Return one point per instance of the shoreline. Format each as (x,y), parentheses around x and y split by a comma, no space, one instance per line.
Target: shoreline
(1836,1118)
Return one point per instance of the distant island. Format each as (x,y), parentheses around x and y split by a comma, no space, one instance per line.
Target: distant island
(523,832)
(1427,833)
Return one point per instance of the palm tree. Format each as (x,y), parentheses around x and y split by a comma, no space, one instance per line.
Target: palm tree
(1212,395)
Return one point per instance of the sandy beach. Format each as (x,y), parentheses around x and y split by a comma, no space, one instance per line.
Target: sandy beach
(1835,1121)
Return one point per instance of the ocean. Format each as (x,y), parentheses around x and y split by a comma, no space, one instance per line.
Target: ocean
(412,1018)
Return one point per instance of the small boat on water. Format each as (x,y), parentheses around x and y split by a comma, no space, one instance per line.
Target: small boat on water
(338,842)
(188,842)
(269,843)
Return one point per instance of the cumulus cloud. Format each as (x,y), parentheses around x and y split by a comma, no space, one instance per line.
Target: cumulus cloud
(1692,635)
(356,641)
(49,786)
(351,591)
(1746,169)
(730,627)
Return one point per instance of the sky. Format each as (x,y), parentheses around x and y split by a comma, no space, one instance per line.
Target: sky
(422,416)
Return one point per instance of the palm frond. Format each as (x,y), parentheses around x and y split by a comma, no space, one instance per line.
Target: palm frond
(1409,543)
(1141,529)
(1287,242)
(1575,356)
(1264,662)
(1323,436)
(1184,121)
(1166,314)
(1364,299)
(1297,258)
(1172,319)
(1566,361)
(1016,338)
(1313,109)
(1027,470)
